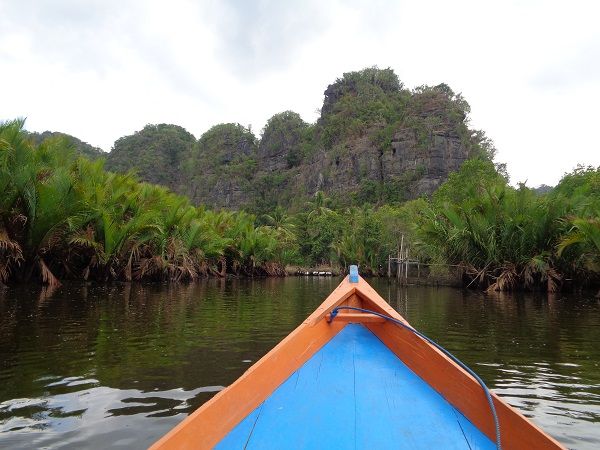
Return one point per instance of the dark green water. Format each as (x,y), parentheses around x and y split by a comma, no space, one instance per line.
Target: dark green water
(116,367)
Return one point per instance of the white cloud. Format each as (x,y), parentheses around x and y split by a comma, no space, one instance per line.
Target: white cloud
(103,69)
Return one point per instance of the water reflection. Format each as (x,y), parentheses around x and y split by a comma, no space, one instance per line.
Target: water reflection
(117,366)
(88,416)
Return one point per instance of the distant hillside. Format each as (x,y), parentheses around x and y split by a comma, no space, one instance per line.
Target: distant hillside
(375,142)
(157,153)
(543,189)
(81,147)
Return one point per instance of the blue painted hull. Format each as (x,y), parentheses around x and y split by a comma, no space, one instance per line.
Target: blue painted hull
(355,393)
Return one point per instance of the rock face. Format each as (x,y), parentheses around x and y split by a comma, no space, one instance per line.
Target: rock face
(391,157)
(220,167)
(434,163)
(280,147)
(403,171)
(375,142)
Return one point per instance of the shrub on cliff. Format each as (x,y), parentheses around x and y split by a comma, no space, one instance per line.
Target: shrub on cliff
(156,152)
(285,136)
(358,101)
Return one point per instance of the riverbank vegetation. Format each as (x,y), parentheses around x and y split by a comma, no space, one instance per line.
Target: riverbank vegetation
(65,217)
(507,238)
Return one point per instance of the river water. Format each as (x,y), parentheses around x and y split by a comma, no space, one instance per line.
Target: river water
(117,366)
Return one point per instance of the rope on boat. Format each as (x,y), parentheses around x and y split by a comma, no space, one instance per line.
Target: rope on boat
(488,395)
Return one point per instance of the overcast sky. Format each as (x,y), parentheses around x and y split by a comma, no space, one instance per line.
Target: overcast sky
(102,69)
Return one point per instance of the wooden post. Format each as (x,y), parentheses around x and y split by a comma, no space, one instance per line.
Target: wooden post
(399,267)
(406,274)
(389,273)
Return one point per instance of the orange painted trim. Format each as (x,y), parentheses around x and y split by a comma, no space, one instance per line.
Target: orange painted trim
(204,428)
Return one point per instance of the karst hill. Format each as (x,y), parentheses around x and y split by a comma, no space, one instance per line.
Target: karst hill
(374,142)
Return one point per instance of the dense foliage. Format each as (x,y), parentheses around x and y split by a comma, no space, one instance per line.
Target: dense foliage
(507,238)
(288,135)
(66,217)
(222,163)
(63,216)
(361,100)
(157,152)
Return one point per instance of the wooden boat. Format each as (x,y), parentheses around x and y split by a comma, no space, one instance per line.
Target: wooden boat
(357,380)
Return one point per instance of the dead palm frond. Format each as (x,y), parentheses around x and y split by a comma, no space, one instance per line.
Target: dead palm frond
(47,275)
(11,255)
(506,281)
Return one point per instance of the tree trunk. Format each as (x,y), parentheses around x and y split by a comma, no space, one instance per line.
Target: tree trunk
(223,272)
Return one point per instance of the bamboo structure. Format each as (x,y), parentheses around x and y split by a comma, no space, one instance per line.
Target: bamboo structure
(403,261)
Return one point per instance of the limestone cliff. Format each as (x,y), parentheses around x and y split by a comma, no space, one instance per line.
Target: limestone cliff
(374,142)
(219,170)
